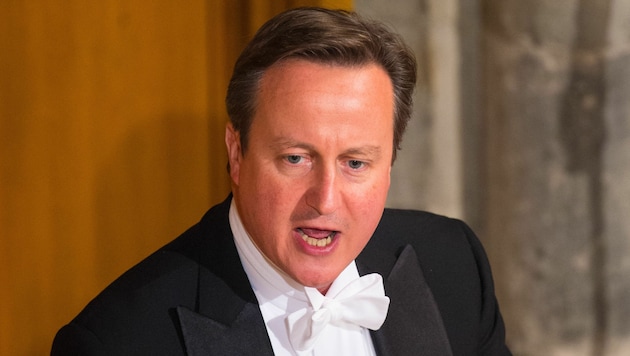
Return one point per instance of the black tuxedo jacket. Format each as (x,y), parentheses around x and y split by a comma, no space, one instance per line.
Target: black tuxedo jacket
(193,297)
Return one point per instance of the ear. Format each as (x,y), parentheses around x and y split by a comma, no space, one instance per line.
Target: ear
(233,144)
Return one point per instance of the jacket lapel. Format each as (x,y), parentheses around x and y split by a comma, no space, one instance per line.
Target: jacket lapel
(224,318)
(414,325)
(204,336)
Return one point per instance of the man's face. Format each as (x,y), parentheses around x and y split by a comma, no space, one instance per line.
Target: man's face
(311,187)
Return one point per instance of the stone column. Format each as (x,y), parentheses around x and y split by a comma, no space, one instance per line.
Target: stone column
(616,180)
(557,147)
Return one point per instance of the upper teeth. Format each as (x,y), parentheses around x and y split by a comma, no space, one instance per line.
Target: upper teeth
(317,242)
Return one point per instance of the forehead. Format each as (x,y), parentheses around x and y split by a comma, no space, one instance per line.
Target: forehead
(295,82)
(324,100)
(294,70)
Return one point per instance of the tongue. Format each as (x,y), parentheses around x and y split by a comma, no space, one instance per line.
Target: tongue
(316,233)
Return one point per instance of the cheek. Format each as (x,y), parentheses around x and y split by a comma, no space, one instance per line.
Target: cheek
(374,195)
(273,197)
(369,204)
(369,213)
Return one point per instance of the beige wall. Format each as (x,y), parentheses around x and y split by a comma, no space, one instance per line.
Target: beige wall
(111,142)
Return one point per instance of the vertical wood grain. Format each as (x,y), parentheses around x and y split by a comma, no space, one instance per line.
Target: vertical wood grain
(104,149)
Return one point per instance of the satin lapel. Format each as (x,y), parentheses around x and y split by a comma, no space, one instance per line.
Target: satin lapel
(225,318)
(224,324)
(414,325)
(204,336)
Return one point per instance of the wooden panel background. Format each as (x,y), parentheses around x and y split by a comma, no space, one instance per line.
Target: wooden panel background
(111,142)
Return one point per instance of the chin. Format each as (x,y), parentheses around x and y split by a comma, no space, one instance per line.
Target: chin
(320,281)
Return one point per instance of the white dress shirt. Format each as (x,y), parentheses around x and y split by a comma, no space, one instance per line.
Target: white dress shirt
(279,295)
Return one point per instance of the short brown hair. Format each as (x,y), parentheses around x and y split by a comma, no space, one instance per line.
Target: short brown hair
(323,36)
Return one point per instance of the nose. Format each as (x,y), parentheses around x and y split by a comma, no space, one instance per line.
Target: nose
(324,194)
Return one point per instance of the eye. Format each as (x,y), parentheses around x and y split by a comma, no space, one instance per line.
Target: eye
(294,159)
(355,164)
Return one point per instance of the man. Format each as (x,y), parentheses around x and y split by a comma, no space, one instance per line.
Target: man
(303,259)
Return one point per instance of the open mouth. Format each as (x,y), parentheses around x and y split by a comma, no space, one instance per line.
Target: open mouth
(319,238)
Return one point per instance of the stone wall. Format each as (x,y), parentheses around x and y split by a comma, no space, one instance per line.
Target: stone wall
(523,129)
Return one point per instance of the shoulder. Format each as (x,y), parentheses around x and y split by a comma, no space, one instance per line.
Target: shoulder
(416,224)
(132,310)
(455,267)
(449,254)
(137,309)
(447,249)
(437,240)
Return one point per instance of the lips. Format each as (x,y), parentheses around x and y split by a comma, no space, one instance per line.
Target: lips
(317,237)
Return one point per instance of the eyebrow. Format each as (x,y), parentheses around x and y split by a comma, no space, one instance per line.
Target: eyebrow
(282,143)
(367,150)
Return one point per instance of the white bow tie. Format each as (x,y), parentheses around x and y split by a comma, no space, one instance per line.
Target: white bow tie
(362,302)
